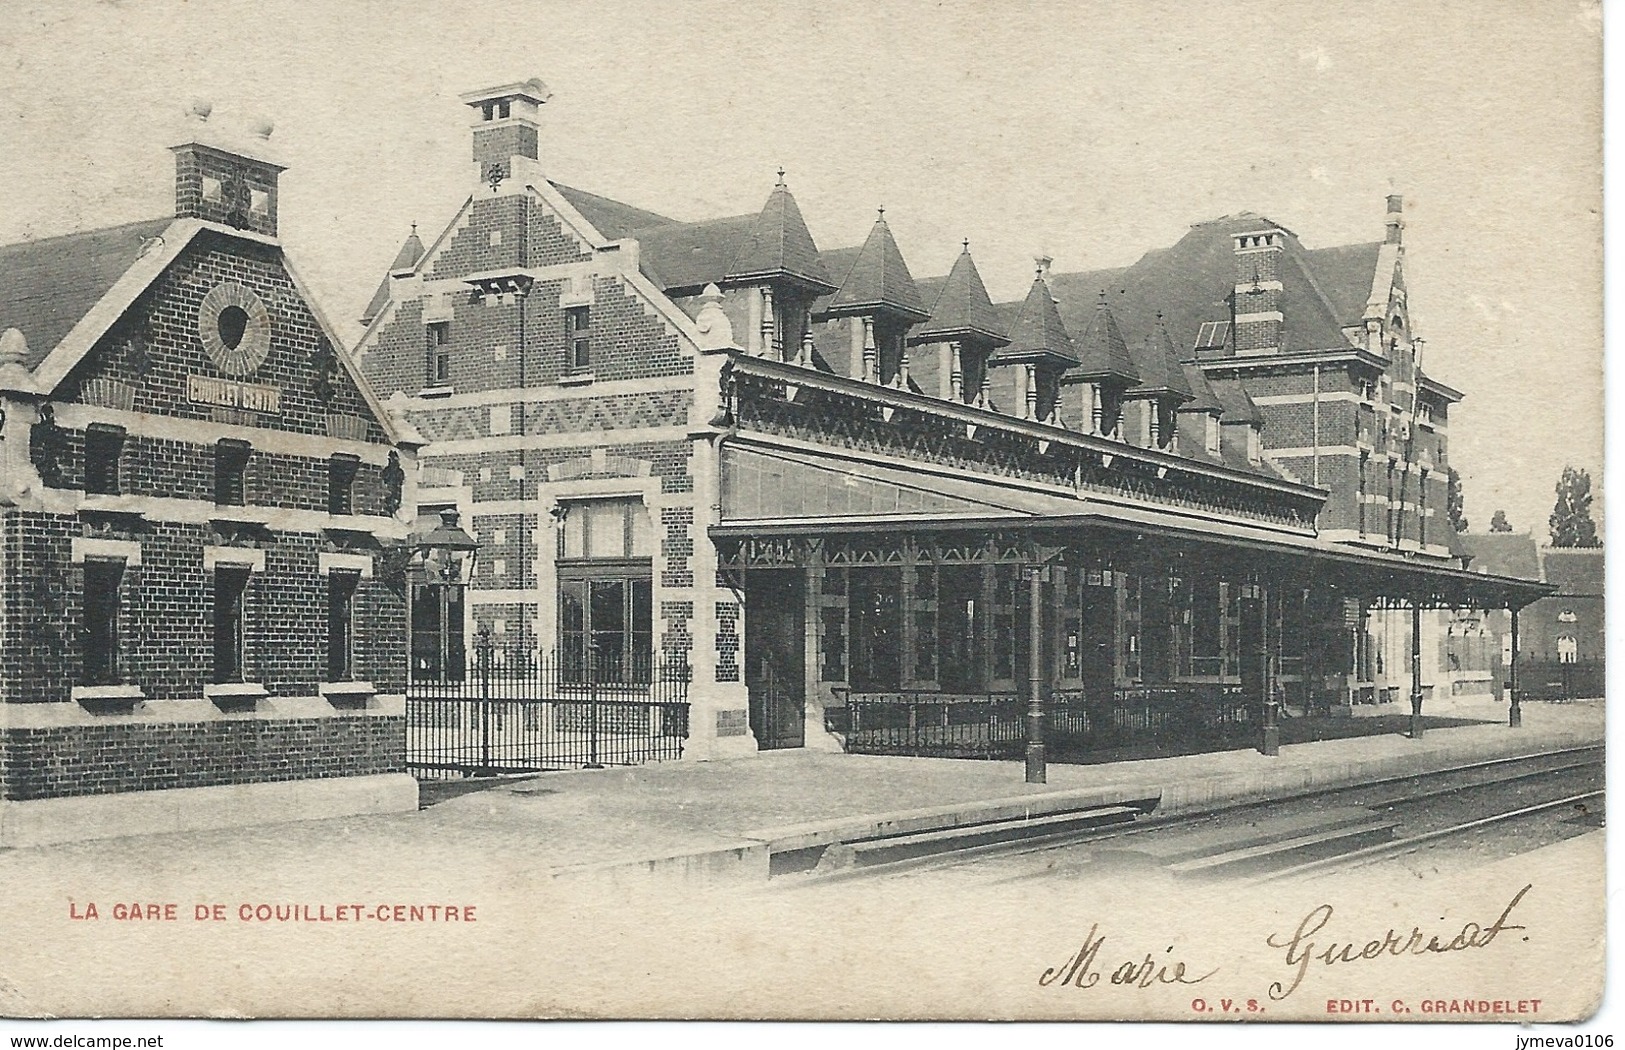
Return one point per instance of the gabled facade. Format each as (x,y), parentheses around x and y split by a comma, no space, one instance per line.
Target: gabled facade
(802,479)
(199,508)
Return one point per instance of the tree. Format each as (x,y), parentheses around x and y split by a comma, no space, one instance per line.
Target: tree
(1455,504)
(1499,522)
(1571,522)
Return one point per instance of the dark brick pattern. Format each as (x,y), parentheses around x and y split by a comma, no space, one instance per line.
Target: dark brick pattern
(156,346)
(149,756)
(678,639)
(166,618)
(192,164)
(182,470)
(501,144)
(727,641)
(677,546)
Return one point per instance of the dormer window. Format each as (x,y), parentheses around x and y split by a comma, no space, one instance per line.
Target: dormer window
(1255,446)
(1212,435)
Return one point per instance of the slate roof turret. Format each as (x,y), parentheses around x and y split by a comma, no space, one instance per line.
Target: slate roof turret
(1157,360)
(1102,353)
(406,259)
(779,246)
(962,308)
(879,281)
(1037,333)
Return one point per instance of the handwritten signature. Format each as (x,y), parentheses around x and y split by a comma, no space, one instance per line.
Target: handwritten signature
(1084,969)
(1302,948)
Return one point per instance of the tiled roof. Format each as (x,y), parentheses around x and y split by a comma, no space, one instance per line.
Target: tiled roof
(691,254)
(1502,553)
(1238,405)
(961,307)
(779,245)
(1203,398)
(1037,331)
(1344,275)
(1102,352)
(610,217)
(48,285)
(878,281)
(1575,570)
(1157,360)
(1191,283)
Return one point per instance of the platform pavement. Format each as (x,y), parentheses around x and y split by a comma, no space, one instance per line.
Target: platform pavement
(719,821)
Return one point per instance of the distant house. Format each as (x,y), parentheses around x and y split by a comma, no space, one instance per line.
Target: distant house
(1561,644)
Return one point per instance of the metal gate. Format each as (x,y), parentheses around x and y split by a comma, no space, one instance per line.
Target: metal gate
(524,711)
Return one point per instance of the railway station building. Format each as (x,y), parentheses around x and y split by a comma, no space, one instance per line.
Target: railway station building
(200,508)
(852,508)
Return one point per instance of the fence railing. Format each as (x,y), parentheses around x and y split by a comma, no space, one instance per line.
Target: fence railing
(521,711)
(992,725)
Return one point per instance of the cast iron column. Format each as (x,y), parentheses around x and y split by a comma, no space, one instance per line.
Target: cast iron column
(1416,669)
(1271,743)
(1515,715)
(1035,674)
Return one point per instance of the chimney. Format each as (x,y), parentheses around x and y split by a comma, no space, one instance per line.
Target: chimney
(506,126)
(1256,305)
(220,178)
(1396,218)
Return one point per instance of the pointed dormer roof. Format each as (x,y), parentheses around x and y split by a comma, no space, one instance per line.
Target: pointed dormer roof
(1038,334)
(1102,352)
(963,309)
(405,260)
(411,251)
(1203,399)
(879,281)
(1161,375)
(779,246)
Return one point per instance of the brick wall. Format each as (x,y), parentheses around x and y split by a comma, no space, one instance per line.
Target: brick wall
(149,756)
(166,614)
(156,346)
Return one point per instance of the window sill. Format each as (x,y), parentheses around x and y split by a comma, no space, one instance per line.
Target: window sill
(121,698)
(347,694)
(429,393)
(576,379)
(236,514)
(235,696)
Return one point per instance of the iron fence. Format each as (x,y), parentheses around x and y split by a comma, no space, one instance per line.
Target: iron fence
(524,711)
(992,725)
(1548,677)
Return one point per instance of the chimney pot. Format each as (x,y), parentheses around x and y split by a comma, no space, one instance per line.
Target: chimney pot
(199,110)
(262,128)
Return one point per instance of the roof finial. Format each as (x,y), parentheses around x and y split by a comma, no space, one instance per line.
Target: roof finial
(882,210)
(965,245)
(414,229)
(781,174)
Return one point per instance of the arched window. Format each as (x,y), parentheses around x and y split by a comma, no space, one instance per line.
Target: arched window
(1568,650)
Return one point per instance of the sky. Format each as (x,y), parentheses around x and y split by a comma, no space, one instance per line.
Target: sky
(1089,131)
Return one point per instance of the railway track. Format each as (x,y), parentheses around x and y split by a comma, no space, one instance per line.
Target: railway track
(1497,804)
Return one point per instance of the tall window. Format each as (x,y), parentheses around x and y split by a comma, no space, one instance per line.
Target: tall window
(963,628)
(341,472)
(230,468)
(439,352)
(341,587)
(606,606)
(100,639)
(104,445)
(230,623)
(578,338)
